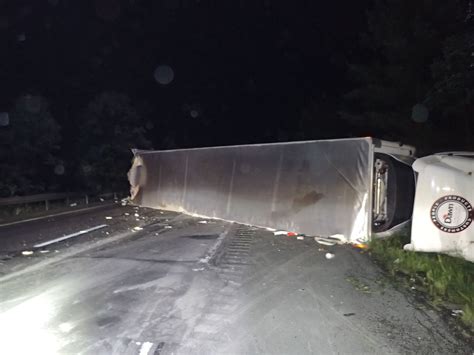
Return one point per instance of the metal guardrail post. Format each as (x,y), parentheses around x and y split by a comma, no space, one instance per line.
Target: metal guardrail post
(46,204)
(87,200)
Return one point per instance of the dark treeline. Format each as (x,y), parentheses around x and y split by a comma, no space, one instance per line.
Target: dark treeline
(83,82)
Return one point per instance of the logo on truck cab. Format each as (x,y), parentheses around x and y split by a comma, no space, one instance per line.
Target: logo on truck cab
(452,214)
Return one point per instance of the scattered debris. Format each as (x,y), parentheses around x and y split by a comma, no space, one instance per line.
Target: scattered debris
(289,234)
(26,252)
(270,229)
(108,217)
(168,227)
(136,215)
(324,241)
(457,312)
(198,269)
(145,348)
(44,251)
(361,246)
(73,204)
(348,314)
(331,240)
(340,237)
(101,199)
(300,237)
(126,214)
(161,212)
(329,256)
(137,228)
(203,222)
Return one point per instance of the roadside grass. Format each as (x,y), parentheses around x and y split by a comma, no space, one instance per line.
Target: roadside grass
(444,278)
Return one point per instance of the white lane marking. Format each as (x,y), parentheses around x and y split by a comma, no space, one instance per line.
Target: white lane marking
(55,215)
(69,236)
(145,348)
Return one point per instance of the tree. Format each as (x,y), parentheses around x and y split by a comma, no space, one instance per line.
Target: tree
(29,147)
(451,98)
(109,128)
(393,72)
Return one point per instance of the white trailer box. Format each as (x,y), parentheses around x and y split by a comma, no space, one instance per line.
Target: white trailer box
(345,186)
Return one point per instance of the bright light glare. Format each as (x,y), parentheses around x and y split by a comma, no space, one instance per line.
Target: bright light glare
(24,328)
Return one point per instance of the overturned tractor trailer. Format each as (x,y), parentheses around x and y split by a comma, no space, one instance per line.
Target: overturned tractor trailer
(360,188)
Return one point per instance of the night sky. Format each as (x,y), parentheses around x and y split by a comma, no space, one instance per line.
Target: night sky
(83,82)
(244,69)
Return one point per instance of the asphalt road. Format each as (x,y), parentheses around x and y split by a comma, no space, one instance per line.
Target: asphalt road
(179,286)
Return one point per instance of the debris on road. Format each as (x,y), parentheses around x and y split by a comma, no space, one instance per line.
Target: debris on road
(300,237)
(329,256)
(203,222)
(288,234)
(271,229)
(26,252)
(339,237)
(331,240)
(145,348)
(101,199)
(137,228)
(457,312)
(126,214)
(136,215)
(361,246)
(73,204)
(44,251)
(198,269)
(349,314)
(108,217)
(324,241)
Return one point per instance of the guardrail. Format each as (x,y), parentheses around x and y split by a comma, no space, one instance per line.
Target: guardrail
(47,198)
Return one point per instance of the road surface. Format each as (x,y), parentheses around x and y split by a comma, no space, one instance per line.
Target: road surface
(184,285)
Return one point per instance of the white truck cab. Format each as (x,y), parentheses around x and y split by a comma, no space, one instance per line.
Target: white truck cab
(443,209)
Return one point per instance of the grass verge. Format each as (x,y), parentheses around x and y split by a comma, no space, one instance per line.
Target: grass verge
(444,278)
